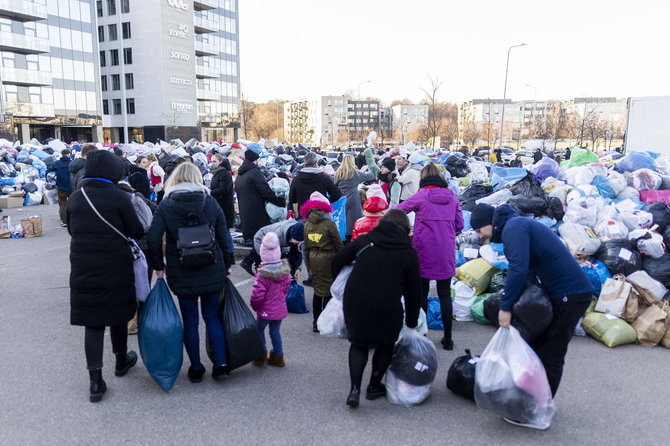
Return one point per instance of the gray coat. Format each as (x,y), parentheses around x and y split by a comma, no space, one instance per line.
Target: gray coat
(279,228)
(349,188)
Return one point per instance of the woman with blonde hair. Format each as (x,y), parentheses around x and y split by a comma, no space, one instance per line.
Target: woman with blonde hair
(347,178)
(187,203)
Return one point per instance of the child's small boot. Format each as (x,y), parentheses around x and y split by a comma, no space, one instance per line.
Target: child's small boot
(276,360)
(262,359)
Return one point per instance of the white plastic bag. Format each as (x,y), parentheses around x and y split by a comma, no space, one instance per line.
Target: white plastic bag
(511,381)
(617,182)
(628,192)
(412,369)
(497,198)
(637,219)
(340,282)
(556,188)
(463,300)
(579,239)
(583,211)
(645,179)
(331,320)
(651,245)
(610,227)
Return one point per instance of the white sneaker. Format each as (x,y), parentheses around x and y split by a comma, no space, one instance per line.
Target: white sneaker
(528,425)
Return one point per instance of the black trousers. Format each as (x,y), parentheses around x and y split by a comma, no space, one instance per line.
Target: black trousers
(94,338)
(552,345)
(358,358)
(446,306)
(318,304)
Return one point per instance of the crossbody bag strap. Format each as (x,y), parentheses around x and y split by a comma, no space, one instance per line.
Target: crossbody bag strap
(101,217)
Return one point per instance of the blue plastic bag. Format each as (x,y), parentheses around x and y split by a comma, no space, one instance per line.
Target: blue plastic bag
(295,299)
(460,258)
(340,216)
(500,176)
(604,188)
(466,220)
(434,316)
(161,336)
(636,160)
(597,273)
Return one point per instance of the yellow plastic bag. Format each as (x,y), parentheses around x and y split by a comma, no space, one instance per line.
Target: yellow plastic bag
(477,273)
(608,329)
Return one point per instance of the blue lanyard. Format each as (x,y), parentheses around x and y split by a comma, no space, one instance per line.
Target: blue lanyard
(100,179)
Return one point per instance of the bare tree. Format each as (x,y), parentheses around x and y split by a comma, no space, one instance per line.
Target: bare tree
(594,130)
(246,116)
(583,122)
(434,111)
(557,122)
(471,133)
(404,101)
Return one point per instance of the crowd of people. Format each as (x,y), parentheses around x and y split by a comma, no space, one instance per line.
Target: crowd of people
(393,257)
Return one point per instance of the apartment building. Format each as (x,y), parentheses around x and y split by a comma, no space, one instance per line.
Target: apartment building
(169,69)
(362,118)
(49,70)
(407,117)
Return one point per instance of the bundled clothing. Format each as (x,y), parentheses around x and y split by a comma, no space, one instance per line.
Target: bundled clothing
(349,188)
(388,181)
(223,191)
(309,180)
(375,207)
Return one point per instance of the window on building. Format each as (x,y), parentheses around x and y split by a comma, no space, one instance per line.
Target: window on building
(111,7)
(125,28)
(130,106)
(128,56)
(98,5)
(103,59)
(101,33)
(105,107)
(117,106)
(114,56)
(111,32)
(130,82)
(125,6)
(103,83)
(116,82)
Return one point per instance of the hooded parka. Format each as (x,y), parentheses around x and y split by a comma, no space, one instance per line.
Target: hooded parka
(102,290)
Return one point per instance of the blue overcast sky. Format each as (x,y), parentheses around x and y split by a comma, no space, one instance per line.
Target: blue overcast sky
(295,49)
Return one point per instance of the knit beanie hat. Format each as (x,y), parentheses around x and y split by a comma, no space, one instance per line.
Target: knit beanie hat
(318,196)
(270,251)
(414,158)
(250,155)
(318,201)
(482,215)
(297,231)
(389,163)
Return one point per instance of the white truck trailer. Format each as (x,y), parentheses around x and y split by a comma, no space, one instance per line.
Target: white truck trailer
(648,124)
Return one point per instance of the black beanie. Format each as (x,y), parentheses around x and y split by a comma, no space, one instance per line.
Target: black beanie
(482,215)
(250,155)
(389,163)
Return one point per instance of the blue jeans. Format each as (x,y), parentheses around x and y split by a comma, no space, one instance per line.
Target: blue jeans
(275,336)
(209,304)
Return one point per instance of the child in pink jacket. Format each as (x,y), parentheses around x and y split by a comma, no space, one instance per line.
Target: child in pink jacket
(268,297)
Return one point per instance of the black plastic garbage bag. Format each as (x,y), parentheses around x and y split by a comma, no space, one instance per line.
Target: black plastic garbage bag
(555,208)
(658,268)
(666,237)
(528,185)
(29,188)
(414,360)
(531,313)
(661,213)
(620,256)
(529,204)
(461,375)
(473,193)
(243,342)
(161,336)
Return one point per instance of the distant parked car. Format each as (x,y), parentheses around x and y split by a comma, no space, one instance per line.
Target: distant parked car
(526,156)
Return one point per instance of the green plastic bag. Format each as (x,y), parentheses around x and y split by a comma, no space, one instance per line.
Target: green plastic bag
(608,329)
(497,282)
(477,309)
(477,273)
(579,157)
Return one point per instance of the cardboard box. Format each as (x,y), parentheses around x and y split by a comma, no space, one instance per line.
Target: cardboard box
(10,202)
(32,226)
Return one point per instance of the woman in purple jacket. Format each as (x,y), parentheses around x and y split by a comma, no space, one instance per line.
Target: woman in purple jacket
(438,220)
(268,297)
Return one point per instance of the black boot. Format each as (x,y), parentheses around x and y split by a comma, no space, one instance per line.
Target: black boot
(98,385)
(354,396)
(376,389)
(124,361)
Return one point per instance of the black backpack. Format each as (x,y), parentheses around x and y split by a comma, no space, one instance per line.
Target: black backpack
(196,243)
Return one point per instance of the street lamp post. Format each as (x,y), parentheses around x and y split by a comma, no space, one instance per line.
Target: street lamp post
(502,115)
(358,98)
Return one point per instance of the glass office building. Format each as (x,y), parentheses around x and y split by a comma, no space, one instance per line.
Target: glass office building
(49,70)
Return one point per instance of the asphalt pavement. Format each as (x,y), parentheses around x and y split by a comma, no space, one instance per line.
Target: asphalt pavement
(608,396)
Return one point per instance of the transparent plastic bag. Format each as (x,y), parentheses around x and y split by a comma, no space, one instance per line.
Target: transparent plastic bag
(511,381)
(583,211)
(331,321)
(340,282)
(643,179)
(579,239)
(637,219)
(617,182)
(412,369)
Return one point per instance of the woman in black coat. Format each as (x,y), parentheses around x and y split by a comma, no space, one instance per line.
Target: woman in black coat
(222,187)
(138,177)
(252,193)
(102,291)
(386,268)
(186,203)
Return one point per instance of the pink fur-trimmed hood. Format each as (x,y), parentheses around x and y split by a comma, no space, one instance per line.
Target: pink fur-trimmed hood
(315,204)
